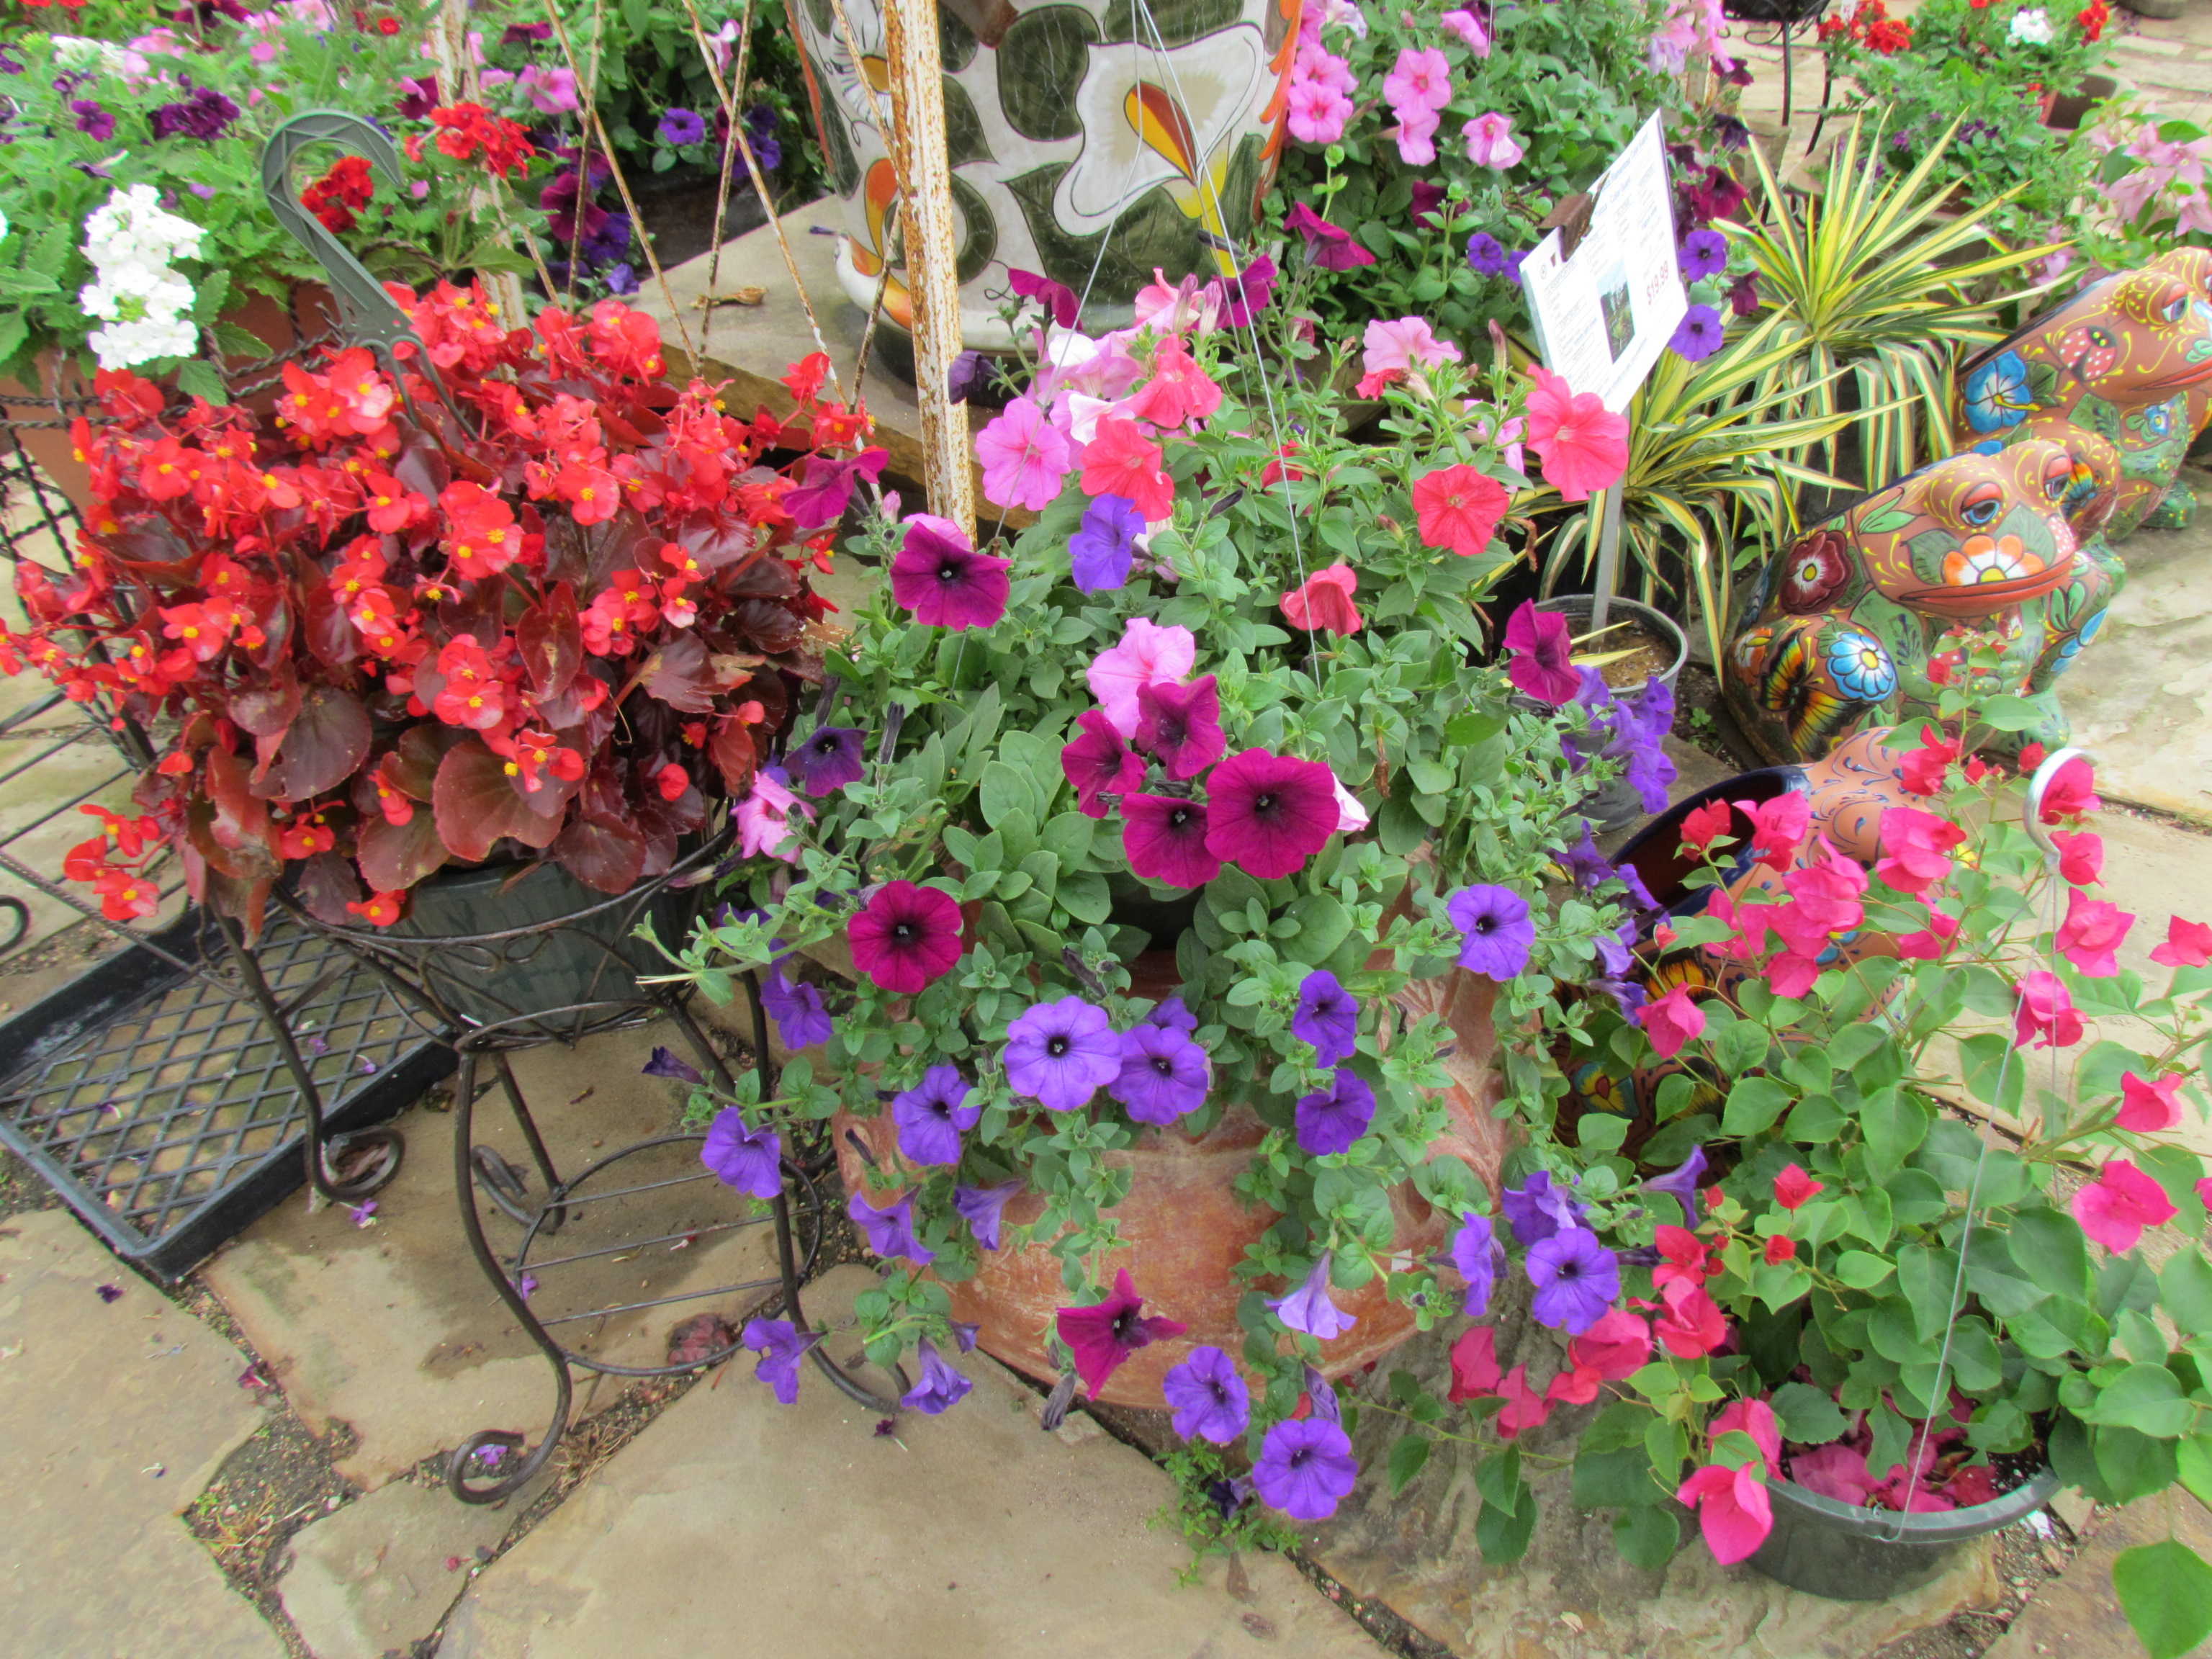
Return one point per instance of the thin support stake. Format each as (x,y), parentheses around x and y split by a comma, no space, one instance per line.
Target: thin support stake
(1608,555)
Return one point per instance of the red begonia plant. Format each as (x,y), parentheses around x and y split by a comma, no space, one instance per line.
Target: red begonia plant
(378,631)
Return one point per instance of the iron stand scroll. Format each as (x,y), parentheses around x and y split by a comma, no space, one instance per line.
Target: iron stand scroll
(425,972)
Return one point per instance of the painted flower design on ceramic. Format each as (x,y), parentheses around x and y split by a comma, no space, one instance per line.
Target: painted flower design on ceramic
(1820,565)
(1980,559)
(1997,394)
(1862,668)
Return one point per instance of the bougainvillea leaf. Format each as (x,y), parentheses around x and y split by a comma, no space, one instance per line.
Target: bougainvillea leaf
(477,807)
(393,857)
(604,853)
(550,639)
(326,741)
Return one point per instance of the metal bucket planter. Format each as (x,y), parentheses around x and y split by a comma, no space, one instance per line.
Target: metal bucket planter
(1090,142)
(1850,1552)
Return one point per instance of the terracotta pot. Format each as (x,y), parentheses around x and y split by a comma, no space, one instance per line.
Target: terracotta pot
(1185,1229)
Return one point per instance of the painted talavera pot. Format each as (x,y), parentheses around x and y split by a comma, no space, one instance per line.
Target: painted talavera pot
(1091,142)
(1185,1229)
(1855,622)
(2130,359)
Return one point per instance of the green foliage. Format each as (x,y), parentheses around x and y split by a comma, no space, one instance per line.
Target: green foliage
(2166,1591)
(1214,1519)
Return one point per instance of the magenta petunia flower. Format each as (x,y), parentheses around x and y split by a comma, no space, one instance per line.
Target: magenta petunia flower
(1208,1397)
(748,1159)
(906,938)
(984,1210)
(1099,762)
(1164,838)
(890,1230)
(1107,1333)
(1164,1074)
(1537,643)
(1062,1053)
(1305,1467)
(1330,246)
(1307,1308)
(828,760)
(931,1115)
(1267,814)
(946,582)
(1180,725)
(1329,1120)
(1327,1017)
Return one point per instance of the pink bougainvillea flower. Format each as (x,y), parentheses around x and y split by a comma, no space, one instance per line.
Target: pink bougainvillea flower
(1927,769)
(2045,1018)
(1583,445)
(1147,655)
(2188,945)
(2148,1108)
(1825,898)
(1107,1333)
(946,582)
(1330,246)
(1164,838)
(2116,1207)
(1756,1418)
(1178,393)
(1778,828)
(1919,846)
(906,938)
(1459,507)
(1537,645)
(1930,944)
(1671,1020)
(1267,814)
(1474,1369)
(1467,25)
(1323,602)
(1099,762)
(1396,349)
(1180,725)
(1420,79)
(1732,1511)
(1793,974)
(1794,1188)
(1025,458)
(2072,792)
(1122,461)
(1611,1350)
(2092,930)
(1835,1471)
(2080,855)
(1490,142)
(1690,1324)
(1524,1409)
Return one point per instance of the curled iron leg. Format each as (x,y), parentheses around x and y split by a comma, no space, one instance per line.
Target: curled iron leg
(390,1148)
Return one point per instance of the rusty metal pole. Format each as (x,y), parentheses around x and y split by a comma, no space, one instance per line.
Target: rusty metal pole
(920,158)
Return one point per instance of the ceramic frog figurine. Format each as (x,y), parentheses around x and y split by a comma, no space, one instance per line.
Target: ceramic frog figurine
(1861,620)
(2130,359)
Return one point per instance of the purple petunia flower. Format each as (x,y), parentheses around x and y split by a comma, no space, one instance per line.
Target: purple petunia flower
(1485,254)
(1327,1017)
(1100,550)
(1704,253)
(1539,1209)
(780,1348)
(1164,1074)
(93,118)
(796,1007)
(890,1230)
(664,1063)
(940,576)
(680,126)
(984,1210)
(1062,1053)
(748,1159)
(1497,932)
(1208,1397)
(1305,1467)
(1576,1279)
(828,760)
(1585,863)
(941,1388)
(1329,1120)
(1698,336)
(1057,298)
(1474,1252)
(1681,1184)
(931,1115)
(1180,725)
(205,115)
(1173,1015)
(1308,1308)
(620,278)
(1103,1334)
(1249,294)
(761,123)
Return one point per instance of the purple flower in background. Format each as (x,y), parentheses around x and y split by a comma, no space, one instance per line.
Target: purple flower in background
(1330,1120)
(1327,1017)
(1496,931)
(761,123)
(1585,863)
(965,1335)
(1743,295)
(941,1388)
(1681,1184)
(1474,1252)
(419,97)
(93,117)
(944,580)
(931,1115)
(1539,1209)
(1208,1397)
(108,1294)
(1305,1467)
(523,34)
(796,1007)
(620,279)
(526,1286)
(1308,1308)
(680,126)
(984,1210)
(664,1063)
(1062,1053)
(748,1159)
(966,376)
(1172,1014)
(890,1230)
(1485,254)
(1057,298)
(1576,1279)
(1099,552)
(828,760)
(364,1213)
(1103,1334)
(204,115)
(1164,1074)
(1247,296)
(1698,336)
(1704,253)
(780,1348)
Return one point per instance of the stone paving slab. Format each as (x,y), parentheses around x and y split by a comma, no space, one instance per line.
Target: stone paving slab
(117,1415)
(2078,1617)
(391,1329)
(733,1525)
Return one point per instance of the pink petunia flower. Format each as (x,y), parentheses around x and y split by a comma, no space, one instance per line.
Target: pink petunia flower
(1468,27)
(1416,133)
(1318,113)
(763,819)
(1420,79)
(1122,461)
(1147,655)
(1583,445)
(2116,1207)
(1323,602)
(1400,348)
(1490,142)
(1025,458)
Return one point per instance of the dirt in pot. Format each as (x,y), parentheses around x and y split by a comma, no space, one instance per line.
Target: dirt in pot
(1633,654)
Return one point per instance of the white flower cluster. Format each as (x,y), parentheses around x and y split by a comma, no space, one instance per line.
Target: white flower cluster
(2031,26)
(131,239)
